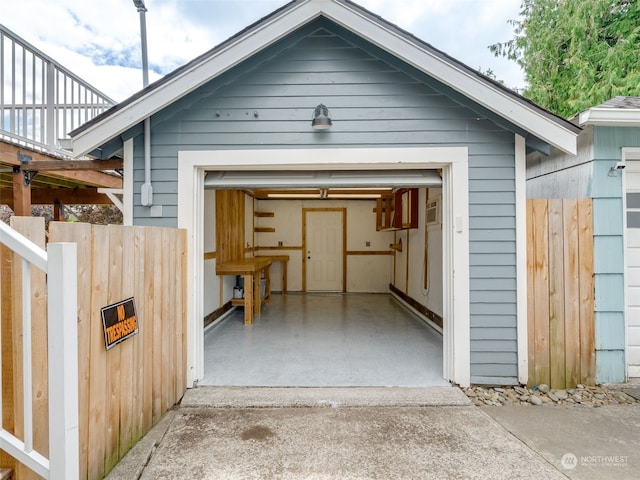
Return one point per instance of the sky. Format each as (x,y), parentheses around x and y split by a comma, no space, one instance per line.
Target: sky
(99,41)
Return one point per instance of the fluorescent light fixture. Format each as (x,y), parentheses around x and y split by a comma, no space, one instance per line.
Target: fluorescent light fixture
(293,195)
(357,196)
(370,189)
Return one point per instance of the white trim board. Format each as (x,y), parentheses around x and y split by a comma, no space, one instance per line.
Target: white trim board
(192,166)
(614,117)
(127,183)
(521,259)
(353,18)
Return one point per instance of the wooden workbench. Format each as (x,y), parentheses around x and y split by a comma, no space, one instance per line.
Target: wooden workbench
(251,269)
(285,262)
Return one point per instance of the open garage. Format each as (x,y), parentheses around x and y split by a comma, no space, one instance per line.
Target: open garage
(396,116)
(344,261)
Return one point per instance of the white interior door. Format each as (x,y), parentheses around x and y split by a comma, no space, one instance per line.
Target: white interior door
(632,174)
(324,251)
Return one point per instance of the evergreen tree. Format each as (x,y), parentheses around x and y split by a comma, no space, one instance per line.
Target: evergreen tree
(576,53)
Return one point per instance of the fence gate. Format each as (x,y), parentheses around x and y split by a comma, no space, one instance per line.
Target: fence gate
(561,331)
(39,399)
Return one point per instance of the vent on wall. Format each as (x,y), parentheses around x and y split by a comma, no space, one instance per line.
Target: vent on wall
(433,213)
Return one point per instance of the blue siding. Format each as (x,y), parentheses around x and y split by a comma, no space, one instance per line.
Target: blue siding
(606,192)
(609,250)
(375,102)
(609,331)
(610,367)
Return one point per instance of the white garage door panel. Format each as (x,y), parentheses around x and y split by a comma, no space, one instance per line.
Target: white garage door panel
(633,238)
(632,179)
(633,357)
(634,335)
(633,276)
(633,256)
(633,298)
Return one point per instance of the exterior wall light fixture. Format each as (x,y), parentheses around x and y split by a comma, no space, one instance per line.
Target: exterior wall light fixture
(321,118)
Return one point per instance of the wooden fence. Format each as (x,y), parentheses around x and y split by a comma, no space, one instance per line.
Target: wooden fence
(124,391)
(560,292)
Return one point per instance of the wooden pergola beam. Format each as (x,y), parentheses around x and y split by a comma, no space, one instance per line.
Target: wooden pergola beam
(9,156)
(94,179)
(64,196)
(68,196)
(68,165)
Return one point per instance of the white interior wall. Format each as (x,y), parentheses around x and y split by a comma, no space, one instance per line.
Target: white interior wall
(287,221)
(365,273)
(400,275)
(431,297)
(413,249)
(435,294)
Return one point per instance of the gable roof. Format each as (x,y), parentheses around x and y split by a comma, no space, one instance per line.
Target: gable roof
(492,95)
(618,111)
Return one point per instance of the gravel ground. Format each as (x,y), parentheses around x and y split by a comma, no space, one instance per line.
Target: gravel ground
(542,395)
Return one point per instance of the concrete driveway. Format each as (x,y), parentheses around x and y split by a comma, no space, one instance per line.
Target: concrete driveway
(355,433)
(584,443)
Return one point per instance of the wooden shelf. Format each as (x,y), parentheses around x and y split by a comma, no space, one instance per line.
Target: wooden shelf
(239,302)
(397,212)
(264,229)
(264,214)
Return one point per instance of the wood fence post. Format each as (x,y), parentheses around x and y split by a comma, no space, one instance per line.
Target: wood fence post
(63,373)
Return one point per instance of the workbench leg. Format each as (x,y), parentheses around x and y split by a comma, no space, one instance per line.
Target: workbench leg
(284,278)
(256,293)
(267,281)
(248,299)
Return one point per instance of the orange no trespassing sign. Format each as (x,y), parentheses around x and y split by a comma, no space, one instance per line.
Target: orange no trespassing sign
(119,322)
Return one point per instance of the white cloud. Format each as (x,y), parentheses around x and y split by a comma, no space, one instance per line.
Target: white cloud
(406,13)
(100,40)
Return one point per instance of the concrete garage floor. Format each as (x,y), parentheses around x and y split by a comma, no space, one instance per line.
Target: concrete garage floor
(324,340)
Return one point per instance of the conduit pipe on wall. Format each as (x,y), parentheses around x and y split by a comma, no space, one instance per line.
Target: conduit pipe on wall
(147,189)
(146,192)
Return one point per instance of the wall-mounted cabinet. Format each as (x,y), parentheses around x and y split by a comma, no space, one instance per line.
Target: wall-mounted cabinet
(398,211)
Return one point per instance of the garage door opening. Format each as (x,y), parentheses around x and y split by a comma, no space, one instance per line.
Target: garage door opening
(376,262)
(346,262)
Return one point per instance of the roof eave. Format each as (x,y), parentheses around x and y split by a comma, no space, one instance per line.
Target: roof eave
(613,117)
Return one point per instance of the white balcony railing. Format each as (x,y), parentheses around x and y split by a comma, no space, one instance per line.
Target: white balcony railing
(40,100)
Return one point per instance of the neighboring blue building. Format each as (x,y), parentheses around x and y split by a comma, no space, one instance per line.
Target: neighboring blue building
(606,169)
(240,115)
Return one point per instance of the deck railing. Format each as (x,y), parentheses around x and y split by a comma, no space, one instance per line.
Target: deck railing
(40,100)
(59,262)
